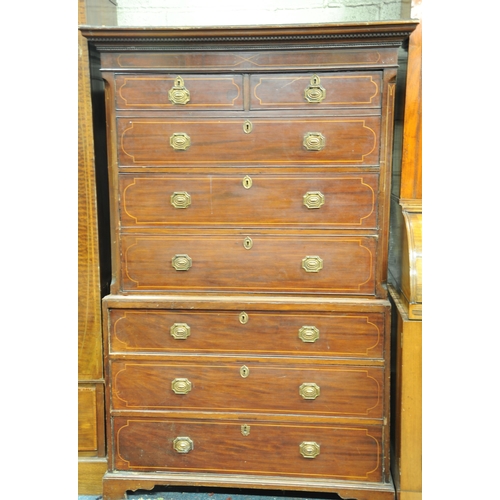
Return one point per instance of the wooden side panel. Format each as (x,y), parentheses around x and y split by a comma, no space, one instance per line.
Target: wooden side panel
(407,446)
(89,294)
(411,167)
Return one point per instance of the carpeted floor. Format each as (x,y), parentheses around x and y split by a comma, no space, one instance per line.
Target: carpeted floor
(160,493)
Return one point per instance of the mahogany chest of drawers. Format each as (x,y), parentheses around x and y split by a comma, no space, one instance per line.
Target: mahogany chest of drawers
(247,329)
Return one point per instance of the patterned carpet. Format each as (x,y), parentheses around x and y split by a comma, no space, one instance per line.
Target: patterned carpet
(160,493)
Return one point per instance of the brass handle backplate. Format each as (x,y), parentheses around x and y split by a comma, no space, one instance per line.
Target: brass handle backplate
(314,199)
(178,94)
(308,334)
(309,390)
(314,141)
(312,264)
(181,385)
(309,449)
(183,444)
(180,331)
(314,92)
(180,199)
(180,141)
(181,262)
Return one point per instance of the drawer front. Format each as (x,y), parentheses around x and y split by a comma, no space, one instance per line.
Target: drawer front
(323,201)
(249,262)
(233,141)
(350,453)
(179,92)
(315,91)
(354,335)
(248,386)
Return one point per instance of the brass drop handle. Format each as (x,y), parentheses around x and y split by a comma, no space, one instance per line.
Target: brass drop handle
(309,449)
(179,94)
(312,264)
(180,141)
(180,331)
(308,334)
(309,390)
(314,92)
(180,199)
(314,199)
(181,385)
(183,444)
(314,141)
(182,262)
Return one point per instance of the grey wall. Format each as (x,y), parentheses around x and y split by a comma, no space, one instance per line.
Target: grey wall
(256,12)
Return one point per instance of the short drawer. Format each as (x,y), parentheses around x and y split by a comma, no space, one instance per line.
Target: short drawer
(354,335)
(254,447)
(316,90)
(248,386)
(248,141)
(178,92)
(341,201)
(249,262)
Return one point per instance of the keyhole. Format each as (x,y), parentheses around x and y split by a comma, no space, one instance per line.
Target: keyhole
(244,371)
(248,243)
(247,182)
(247,127)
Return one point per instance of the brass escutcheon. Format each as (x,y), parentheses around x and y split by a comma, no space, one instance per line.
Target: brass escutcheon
(244,371)
(312,264)
(247,182)
(314,199)
(314,92)
(309,390)
(183,444)
(180,331)
(248,243)
(180,141)
(243,317)
(181,262)
(247,126)
(245,429)
(180,199)
(308,334)
(314,141)
(178,94)
(309,449)
(181,385)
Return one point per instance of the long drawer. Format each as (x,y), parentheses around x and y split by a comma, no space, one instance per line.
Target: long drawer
(294,449)
(248,386)
(353,335)
(250,140)
(341,201)
(250,262)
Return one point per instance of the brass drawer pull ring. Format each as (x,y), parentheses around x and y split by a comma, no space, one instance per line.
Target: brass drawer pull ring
(314,92)
(308,334)
(314,141)
(179,94)
(180,199)
(309,449)
(183,444)
(181,262)
(180,141)
(181,385)
(180,331)
(312,264)
(309,390)
(314,199)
